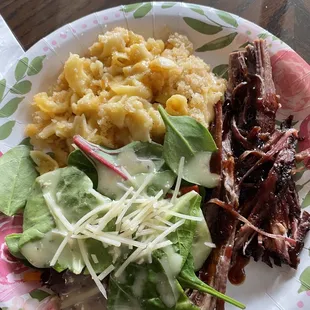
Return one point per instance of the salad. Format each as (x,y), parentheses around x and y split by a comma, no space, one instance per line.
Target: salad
(130,218)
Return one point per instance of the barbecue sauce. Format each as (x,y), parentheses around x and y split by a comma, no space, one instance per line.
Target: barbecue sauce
(236,273)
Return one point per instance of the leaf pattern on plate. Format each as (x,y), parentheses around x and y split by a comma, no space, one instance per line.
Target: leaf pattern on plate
(218,43)
(221,71)
(196,8)
(202,27)
(2,88)
(21,68)
(21,88)
(263,35)
(36,65)
(227,18)
(130,7)
(304,280)
(10,107)
(168,5)
(6,129)
(143,10)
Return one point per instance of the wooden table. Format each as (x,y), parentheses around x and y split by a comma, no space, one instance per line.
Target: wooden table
(31,20)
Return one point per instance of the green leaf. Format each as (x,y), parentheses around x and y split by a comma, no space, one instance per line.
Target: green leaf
(17,176)
(304,280)
(264,35)
(6,129)
(202,27)
(10,107)
(227,18)
(36,65)
(21,88)
(189,280)
(162,180)
(199,249)
(79,160)
(185,137)
(218,43)
(168,5)
(12,242)
(147,287)
(182,238)
(130,7)
(143,155)
(26,141)
(102,254)
(71,190)
(2,88)
(143,10)
(21,68)
(221,71)
(74,188)
(274,38)
(39,294)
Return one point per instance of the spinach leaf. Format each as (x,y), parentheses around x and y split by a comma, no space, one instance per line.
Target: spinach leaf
(185,137)
(146,150)
(182,238)
(37,217)
(12,241)
(17,173)
(154,286)
(188,279)
(199,250)
(72,192)
(79,160)
(184,302)
(139,159)
(147,287)
(162,180)
(95,247)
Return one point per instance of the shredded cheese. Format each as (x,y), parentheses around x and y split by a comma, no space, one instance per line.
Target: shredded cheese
(166,233)
(129,260)
(102,239)
(138,222)
(94,258)
(106,272)
(179,179)
(56,211)
(185,216)
(90,268)
(59,250)
(113,212)
(146,181)
(210,244)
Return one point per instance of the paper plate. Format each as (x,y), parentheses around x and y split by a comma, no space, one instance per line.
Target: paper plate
(264,287)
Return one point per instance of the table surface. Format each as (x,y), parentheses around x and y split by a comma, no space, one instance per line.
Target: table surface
(32,20)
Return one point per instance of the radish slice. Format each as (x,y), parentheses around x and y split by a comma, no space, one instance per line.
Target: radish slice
(90,150)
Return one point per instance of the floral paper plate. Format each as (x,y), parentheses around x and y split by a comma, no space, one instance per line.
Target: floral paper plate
(214,34)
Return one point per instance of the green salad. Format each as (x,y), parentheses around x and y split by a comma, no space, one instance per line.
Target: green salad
(130,218)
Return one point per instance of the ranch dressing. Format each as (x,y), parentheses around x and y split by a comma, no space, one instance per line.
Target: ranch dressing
(40,253)
(172,264)
(108,180)
(198,169)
